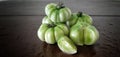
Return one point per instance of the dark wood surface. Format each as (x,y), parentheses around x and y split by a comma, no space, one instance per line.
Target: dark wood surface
(92,7)
(20,20)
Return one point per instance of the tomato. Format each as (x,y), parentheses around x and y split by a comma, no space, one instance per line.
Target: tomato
(51,33)
(46,20)
(66,45)
(81,17)
(83,34)
(57,13)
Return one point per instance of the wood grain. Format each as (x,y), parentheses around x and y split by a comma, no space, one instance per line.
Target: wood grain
(18,38)
(20,20)
(36,7)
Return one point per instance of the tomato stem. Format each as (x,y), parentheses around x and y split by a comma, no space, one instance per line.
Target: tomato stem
(60,5)
(51,25)
(80,14)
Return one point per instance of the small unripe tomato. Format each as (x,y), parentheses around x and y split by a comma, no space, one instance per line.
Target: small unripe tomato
(84,34)
(57,12)
(81,17)
(51,33)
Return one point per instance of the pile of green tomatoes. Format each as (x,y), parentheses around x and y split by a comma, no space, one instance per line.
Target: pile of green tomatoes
(67,29)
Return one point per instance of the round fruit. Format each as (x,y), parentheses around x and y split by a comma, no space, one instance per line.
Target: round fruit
(57,13)
(83,34)
(81,17)
(46,20)
(51,33)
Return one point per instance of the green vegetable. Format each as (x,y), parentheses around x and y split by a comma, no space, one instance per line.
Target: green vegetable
(81,17)
(57,13)
(53,28)
(66,45)
(51,33)
(46,20)
(83,34)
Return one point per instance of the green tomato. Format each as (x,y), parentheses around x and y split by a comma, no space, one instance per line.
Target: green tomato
(41,31)
(79,17)
(66,45)
(49,36)
(73,20)
(51,33)
(83,34)
(46,20)
(57,13)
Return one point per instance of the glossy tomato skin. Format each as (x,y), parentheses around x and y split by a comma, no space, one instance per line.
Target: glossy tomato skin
(84,34)
(91,35)
(41,31)
(82,18)
(51,34)
(46,20)
(61,14)
(76,34)
(73,20)
(66,45)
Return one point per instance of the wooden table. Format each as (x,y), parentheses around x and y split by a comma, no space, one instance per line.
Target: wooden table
(20,20)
